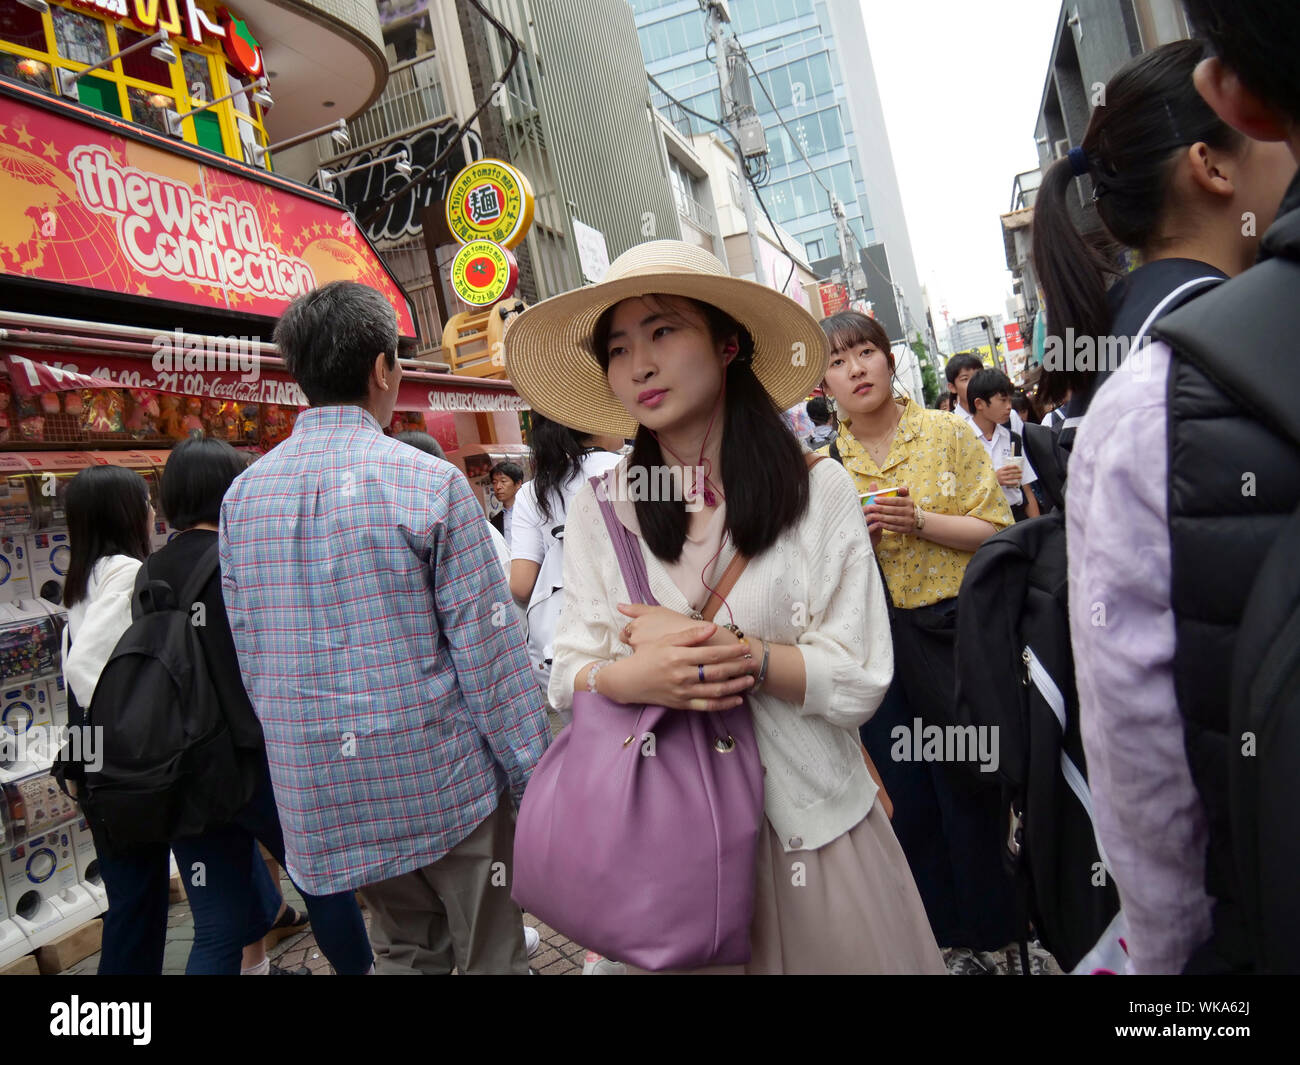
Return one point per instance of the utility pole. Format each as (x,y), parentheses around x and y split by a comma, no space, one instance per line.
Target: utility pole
(854,278)
(719,15)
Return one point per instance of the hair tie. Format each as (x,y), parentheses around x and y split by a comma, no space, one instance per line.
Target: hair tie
(1078,161)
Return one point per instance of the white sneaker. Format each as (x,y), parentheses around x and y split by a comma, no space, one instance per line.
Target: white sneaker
(532,940)
(597,965)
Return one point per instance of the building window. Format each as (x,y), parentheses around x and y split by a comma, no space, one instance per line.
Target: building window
(816,250)
(136,87)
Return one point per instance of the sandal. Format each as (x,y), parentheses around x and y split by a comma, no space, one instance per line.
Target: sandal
(289,923)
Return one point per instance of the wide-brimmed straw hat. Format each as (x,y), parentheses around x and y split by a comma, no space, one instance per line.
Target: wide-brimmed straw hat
(549,356)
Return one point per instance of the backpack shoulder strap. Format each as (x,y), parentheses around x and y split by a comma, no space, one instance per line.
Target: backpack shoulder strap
(1235,336)
(1174,300)
(208,564)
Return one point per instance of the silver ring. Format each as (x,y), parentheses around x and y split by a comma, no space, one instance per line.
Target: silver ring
(701,668)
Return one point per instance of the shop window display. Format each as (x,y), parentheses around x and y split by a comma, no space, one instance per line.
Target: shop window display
(79,37)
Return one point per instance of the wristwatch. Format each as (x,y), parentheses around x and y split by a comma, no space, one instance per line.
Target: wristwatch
(919,517)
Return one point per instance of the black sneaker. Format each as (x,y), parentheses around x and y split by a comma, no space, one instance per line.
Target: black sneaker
(302,970)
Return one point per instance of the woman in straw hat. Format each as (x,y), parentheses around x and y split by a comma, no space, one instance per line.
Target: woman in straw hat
(698,365)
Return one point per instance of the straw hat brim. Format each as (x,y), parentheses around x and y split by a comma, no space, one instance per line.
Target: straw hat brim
(550,362)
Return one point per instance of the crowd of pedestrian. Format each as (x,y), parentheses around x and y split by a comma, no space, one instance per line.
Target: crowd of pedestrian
(388,664)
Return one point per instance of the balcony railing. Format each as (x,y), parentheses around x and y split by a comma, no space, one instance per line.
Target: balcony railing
(693,211)
(413,99)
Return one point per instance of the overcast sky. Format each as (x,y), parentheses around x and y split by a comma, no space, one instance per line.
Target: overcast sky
(960,83)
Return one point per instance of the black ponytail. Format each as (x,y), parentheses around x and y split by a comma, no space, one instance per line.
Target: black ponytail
(1152,111)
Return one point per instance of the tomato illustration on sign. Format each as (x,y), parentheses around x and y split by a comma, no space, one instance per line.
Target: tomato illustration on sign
(483,273)
(480,272)
(242,48)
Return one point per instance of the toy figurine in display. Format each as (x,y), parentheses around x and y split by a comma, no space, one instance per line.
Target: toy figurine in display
(407,421)
(104,411)
(143,416)
(213,422)
(32,428)
(249,422)
(169,417)
(277,424)
(192,421)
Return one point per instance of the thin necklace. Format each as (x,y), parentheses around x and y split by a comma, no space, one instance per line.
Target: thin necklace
(870,445)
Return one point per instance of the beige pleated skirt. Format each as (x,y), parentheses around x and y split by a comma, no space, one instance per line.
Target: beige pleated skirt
(850,907)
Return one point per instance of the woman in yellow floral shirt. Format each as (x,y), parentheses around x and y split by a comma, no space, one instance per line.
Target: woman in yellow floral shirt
(946,813)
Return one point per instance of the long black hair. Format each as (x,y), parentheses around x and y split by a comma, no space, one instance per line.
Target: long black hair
(108,514)
(1151,114)
(557,459)
(764,474)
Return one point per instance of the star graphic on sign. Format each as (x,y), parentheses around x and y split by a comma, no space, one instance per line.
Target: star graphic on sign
(141,289)
(275,228)
(199,290)
(23,137)
(274,208)
(50,151)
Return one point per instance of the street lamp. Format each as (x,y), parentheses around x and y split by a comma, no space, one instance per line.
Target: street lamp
(400,162)
(257,88)
(338,132)
(66,80)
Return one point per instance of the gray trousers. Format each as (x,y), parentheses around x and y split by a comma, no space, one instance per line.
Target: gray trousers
(456,912)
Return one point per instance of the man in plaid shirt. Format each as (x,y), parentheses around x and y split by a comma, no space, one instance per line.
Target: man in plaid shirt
(377,643)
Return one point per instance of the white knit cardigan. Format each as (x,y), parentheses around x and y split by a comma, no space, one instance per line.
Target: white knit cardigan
(817,587)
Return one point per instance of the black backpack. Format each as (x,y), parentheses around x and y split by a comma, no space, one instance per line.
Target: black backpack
(1245,351)
(1015,672)
(169,768)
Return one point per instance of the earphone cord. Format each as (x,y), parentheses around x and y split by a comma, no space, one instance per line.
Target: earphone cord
(707,466)
(702,463)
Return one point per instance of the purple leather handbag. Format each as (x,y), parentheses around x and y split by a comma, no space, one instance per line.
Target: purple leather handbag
(638,831)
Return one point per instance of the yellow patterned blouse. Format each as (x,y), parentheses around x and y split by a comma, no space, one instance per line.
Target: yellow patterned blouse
(949,472)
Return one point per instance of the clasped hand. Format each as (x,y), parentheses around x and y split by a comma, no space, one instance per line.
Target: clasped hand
(668,650)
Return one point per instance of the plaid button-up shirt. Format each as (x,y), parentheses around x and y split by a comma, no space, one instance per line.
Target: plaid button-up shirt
(379,648)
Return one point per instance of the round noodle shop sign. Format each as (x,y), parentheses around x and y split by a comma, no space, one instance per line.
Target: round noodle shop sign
(483,273)
(490,200)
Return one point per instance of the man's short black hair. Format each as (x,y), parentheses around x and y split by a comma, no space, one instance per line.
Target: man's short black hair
(1259,41)
(985,385)
(330,337)
(819,412)
(961,361)
(423,441)
(198,474)
(511,469)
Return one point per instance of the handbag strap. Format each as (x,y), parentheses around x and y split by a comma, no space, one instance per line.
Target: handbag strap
(626,549)
(633,565)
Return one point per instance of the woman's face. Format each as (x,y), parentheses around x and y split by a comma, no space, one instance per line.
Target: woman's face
(858,376)
(666,372)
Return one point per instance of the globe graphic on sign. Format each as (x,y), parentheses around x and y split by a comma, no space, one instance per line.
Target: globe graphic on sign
(44,223)
(331,259)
